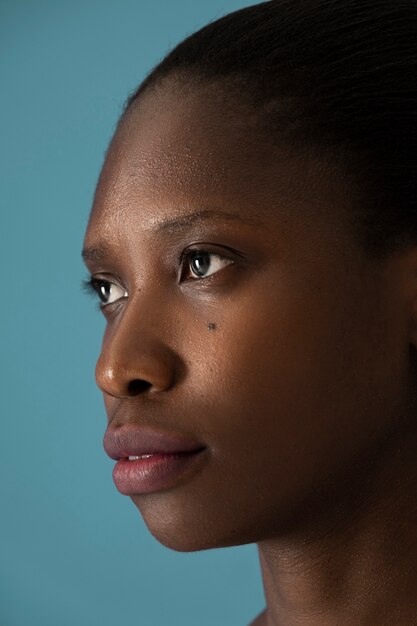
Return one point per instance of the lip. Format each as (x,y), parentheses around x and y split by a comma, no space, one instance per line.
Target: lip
(137,440)
(156,472)
(169,458)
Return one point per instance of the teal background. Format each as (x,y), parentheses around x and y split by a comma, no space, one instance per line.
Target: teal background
(73,552)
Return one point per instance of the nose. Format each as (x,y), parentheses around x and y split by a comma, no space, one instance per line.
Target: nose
(134,359)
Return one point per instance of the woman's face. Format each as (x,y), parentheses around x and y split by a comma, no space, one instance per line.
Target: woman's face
(280,349)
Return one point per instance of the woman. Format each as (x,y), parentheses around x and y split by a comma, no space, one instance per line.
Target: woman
(253,245)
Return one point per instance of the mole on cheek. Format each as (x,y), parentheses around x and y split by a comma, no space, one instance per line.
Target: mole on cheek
(211,326)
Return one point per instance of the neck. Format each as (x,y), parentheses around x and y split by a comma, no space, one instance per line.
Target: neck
(355,564)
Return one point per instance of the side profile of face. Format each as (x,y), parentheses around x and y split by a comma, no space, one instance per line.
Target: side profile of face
(278,347)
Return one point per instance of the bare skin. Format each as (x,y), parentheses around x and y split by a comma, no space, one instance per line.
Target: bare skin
(292,360)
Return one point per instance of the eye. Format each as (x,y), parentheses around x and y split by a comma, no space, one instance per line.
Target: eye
(203,263)
(107,291)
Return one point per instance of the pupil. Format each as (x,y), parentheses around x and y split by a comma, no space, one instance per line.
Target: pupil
(104,291)
(201,263)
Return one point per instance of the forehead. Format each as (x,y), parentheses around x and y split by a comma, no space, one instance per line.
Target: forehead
(180,149)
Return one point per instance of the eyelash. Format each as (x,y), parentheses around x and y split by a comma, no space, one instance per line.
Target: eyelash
(92,284)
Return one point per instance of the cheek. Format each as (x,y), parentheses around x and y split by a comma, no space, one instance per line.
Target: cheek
(295,388)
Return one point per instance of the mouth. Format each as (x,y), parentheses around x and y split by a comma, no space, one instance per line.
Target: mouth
(150,460)
(148,473)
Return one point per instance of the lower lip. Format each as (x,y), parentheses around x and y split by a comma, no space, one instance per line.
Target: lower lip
(157,472)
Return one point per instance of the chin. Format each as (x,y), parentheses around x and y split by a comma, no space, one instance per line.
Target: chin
(187,528)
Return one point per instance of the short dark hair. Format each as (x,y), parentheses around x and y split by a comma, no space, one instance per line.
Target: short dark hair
(340,75)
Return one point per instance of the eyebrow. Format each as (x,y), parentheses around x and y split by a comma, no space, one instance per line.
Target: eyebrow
(94,253)
(185,221)
(175,225)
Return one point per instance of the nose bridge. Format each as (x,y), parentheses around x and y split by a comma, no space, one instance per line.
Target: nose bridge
(135,356)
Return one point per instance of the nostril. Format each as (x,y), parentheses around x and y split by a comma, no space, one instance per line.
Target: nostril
(137,386)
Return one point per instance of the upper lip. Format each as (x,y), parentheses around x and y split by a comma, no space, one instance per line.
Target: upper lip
(134,440)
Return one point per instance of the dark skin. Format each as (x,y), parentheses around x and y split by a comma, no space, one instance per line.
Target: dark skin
(291,359)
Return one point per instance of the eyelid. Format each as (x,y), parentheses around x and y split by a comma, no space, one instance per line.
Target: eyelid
(91,286)
(188,253)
